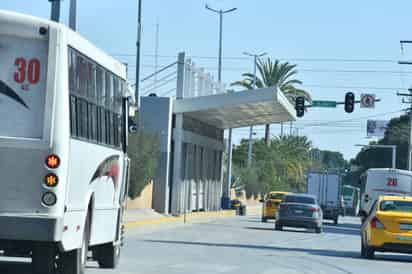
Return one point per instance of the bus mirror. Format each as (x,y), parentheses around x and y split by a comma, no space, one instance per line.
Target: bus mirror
(132,129)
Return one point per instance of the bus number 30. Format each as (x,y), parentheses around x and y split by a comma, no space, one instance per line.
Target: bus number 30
(27,69)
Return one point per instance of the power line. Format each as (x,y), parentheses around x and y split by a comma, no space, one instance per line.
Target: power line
(344,60)
(357,118)
(321,70)
(354,87)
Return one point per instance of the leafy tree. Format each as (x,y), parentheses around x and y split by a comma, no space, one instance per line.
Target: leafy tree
(279,167)
(143,151)
(325,159)
(277,74)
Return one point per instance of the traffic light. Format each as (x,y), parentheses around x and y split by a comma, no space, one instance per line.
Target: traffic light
(300,106)
(349,102)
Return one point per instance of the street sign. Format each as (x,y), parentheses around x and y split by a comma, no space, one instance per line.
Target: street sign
(323,104)
(367,100)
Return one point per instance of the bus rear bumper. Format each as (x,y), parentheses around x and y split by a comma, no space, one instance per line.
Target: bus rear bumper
(30,229)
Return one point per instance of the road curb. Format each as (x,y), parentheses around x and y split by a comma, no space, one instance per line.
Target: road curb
(189,216)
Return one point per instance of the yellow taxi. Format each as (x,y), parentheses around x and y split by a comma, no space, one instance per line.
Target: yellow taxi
(271,204)
(388,228)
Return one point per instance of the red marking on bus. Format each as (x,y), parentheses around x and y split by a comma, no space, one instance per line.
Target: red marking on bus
(34,71)
(20,74)
(30,71)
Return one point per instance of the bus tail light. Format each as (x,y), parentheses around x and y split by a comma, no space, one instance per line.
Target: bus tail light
(51,180)
(49,199)
(52,161)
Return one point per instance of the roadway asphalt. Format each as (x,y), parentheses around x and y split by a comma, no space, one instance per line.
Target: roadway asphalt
(243,245)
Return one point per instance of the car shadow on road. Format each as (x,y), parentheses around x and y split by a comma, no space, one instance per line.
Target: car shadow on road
(12,267)
(319,252)
(260,228)
(327,229)
(15,267)
(341,230)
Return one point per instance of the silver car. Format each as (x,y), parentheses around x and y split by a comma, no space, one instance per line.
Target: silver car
(299,210)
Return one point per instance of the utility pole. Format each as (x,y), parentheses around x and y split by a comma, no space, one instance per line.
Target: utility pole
(73,15)
(410,133)
(402,42)
(138,45)
(409,95)
(55,10)
(255,59)
(219,77)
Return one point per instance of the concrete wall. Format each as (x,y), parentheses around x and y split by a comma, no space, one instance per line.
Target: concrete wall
(156,117)
(144,200)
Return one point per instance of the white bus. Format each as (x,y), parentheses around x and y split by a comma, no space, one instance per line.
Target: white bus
(63,140)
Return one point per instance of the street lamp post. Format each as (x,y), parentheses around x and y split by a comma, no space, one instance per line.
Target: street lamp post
(138,46)
(55,10)
(219,77)
(255,59)
(393,147)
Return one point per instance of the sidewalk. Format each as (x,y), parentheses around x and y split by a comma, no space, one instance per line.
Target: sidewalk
(142,217)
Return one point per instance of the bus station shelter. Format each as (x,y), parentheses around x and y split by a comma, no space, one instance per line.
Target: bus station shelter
(191,133)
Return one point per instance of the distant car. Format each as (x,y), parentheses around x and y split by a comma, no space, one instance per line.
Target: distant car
(235,204)
(388,228)
(271,204)
(299,210)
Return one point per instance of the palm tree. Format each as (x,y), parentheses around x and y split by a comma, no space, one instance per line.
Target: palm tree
(277,74)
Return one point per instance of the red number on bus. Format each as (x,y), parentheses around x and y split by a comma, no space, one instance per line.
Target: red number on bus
(20,74)
(34,71)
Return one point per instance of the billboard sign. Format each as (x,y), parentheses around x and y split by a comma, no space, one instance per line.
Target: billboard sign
(376,128)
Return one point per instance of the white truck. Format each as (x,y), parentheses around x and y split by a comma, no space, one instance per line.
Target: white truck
(383,181)
(326,186)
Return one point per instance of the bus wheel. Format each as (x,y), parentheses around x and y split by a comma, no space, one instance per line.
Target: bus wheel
(74,261)
(108,255)
(44,259)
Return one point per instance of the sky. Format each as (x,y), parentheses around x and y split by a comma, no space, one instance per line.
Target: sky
(338,46)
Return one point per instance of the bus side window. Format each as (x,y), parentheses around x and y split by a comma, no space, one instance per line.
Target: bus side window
(109,90)
(100,86)
(82,118)
(73,118)
(81,79)
(72,71)
(91,82)
(102,114)
(92,111)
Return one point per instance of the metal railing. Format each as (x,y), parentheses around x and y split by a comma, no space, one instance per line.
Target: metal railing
(196,81)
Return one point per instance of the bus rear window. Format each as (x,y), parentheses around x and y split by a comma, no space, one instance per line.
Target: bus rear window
(23,67)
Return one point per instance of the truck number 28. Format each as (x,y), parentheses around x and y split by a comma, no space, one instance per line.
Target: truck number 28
(27,69)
